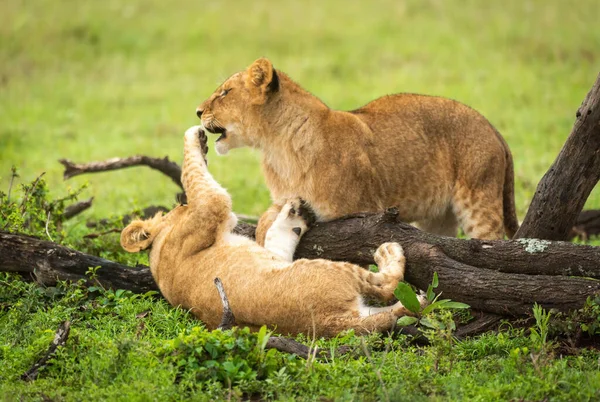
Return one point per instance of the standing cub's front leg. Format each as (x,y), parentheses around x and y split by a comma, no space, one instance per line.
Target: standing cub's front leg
(291,223)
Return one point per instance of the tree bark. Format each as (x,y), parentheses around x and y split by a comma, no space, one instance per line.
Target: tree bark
(49,262)
(561,195)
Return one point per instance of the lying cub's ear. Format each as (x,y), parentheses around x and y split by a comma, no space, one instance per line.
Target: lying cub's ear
(136,236)
(262,78)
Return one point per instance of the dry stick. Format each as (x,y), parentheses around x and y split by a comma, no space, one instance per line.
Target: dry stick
(228,319)
(164,165)
(60,338)
(77,208)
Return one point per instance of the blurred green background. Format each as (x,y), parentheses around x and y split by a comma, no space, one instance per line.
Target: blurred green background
(89,80)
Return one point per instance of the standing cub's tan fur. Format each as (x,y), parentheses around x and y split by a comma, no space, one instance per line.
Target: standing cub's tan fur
(438,161)
(193,244)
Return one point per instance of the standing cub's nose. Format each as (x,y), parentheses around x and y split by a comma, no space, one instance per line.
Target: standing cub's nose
(199,112)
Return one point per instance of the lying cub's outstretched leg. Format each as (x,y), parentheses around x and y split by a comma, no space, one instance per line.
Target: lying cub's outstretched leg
(207,200)
(266,221)
(291,223)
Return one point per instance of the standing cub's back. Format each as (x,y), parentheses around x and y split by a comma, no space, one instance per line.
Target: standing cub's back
(438,161)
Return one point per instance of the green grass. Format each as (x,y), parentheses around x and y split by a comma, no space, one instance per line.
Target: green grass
(127,347)
(89,80)
(92,80)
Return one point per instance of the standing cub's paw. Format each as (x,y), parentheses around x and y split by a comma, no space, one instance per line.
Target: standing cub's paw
(296,215)
(388,252)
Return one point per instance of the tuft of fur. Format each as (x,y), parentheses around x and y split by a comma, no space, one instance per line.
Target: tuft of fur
(441,163)
(193,244)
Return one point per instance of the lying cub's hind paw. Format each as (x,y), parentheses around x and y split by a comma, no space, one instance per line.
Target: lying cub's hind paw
(387,253)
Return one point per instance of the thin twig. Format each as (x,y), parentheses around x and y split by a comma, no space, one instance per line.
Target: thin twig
(228,319)
(60,338)
(12,178)
(29,191)
(47,232)
(77,208)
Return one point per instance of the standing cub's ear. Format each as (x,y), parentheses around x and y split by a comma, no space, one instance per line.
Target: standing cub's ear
(139,235)
(262,79)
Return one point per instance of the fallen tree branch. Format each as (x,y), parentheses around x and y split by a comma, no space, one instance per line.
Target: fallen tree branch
(77,208)
(49,262)
(164,165)
(562,192)
(60,338)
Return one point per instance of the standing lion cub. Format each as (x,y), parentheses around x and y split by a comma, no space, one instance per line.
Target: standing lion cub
(193,244)
(438,161)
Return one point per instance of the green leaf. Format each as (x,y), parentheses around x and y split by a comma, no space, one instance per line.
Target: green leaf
(406,320)
(263,337)
(430,293)
(456,305)
(434,282)
(435,305)
(430,323)
(407,297)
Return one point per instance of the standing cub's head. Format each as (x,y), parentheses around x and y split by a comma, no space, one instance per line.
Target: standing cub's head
(235,110)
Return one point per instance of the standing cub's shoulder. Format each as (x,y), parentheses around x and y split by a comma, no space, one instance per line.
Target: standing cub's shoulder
(440,162)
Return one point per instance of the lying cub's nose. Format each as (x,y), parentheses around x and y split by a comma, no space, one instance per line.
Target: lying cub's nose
(199,112)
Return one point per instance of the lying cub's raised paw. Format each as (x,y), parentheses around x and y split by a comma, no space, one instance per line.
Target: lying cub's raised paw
(387,253)
(196,133)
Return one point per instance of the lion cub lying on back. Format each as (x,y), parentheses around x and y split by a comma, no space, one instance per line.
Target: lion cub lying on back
(193,244)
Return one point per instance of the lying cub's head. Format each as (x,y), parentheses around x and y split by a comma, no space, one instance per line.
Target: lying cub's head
(139,235)
(235,110)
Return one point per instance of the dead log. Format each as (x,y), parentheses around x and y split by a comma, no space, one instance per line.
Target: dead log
(49,262)
(562,192)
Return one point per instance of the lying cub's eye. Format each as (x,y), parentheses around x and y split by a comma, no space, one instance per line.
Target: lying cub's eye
(225,92)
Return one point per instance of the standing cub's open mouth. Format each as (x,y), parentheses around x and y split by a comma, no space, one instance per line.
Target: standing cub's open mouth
(217,130)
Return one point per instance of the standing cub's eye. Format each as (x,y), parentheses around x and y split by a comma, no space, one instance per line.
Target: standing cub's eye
(224,92)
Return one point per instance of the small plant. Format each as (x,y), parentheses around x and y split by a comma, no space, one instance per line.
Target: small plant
(436,317)
(34,213)
(539,334)
(407,296)
(229,357)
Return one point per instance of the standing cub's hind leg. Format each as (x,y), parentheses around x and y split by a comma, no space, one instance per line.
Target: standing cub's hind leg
(290,225)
